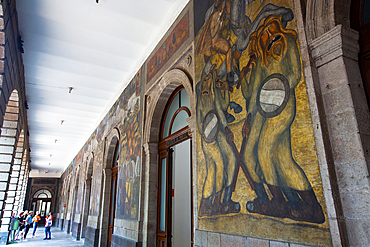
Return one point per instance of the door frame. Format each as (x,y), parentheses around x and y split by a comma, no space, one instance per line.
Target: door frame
(165,151)
(112,204)
(163,238)
(155,100)
(112,138)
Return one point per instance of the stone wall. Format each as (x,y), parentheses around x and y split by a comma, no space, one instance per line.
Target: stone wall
(13,119)
(331,97)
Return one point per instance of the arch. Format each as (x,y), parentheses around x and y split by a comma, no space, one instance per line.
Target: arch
(42,193)
(89,166)
(323,15)
(86,194)
(41,201)
(112,140)
(76,183)
(156,101)
(66,200)
(167,85)
(170,116)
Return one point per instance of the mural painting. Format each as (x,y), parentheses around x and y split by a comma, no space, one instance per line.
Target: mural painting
(257,164)
(168,47)
(97,179)
(130,159)
(80,185)
(72,185)
(125,115)
(65,193)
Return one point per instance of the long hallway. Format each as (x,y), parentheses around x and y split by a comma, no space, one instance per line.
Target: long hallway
(58,238)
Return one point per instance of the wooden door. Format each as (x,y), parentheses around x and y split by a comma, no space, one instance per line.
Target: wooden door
(164,205)
(112,207)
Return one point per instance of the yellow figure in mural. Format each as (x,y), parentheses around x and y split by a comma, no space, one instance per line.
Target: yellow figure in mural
(270,97)
(221,161)
(212,38)
(265,155)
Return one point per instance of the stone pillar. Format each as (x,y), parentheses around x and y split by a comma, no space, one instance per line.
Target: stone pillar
(150,193)
(86,206)
(104,206)
(193,128)
(335,56)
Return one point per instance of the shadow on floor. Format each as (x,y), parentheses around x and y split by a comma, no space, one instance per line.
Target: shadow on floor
(58,238)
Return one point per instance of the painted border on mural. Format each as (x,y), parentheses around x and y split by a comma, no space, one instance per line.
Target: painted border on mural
(168,47)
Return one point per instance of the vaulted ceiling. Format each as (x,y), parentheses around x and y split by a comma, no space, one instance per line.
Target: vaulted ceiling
(79,55)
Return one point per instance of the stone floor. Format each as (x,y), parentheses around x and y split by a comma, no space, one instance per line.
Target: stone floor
(58,238)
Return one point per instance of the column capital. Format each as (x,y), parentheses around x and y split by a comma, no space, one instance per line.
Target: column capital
(192,123)
(339,41)
(150,148)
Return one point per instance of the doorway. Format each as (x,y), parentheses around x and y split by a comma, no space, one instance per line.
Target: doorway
(87,195)
(112,204)
(175,208)
(41,202)
(360,21)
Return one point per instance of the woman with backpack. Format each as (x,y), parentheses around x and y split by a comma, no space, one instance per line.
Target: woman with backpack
(21,226)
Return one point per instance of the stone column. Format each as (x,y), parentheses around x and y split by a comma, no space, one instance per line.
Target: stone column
(105,198)
(335,56)
(193,128)
(150,193)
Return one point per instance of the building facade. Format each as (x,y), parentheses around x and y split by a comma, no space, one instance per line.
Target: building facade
(248,125)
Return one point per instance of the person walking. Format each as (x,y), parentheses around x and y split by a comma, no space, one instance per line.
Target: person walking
(35,221)
(19,233)
(48,224)
(13,227)
(28,223)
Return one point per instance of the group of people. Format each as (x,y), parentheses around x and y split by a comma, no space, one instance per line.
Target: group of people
(20,226)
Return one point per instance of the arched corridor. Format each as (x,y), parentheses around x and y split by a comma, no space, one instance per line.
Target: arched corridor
(185,122)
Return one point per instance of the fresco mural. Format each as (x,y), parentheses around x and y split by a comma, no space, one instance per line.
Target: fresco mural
(125,115)
(97,177)
(257,164)
(80,185)
(130,159)
(168,47)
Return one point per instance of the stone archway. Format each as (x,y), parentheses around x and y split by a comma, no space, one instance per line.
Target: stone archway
(156,102)
(86,196)
(323,15)
(75,190)
(112,140)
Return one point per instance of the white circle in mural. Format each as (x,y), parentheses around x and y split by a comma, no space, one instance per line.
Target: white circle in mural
(273,95)
(211,125)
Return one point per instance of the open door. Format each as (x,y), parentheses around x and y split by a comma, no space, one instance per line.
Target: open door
(175,208)
(164,203)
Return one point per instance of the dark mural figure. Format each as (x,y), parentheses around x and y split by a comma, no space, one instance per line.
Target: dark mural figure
(212,102)
(271,100)
(129,171)
(268,84)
